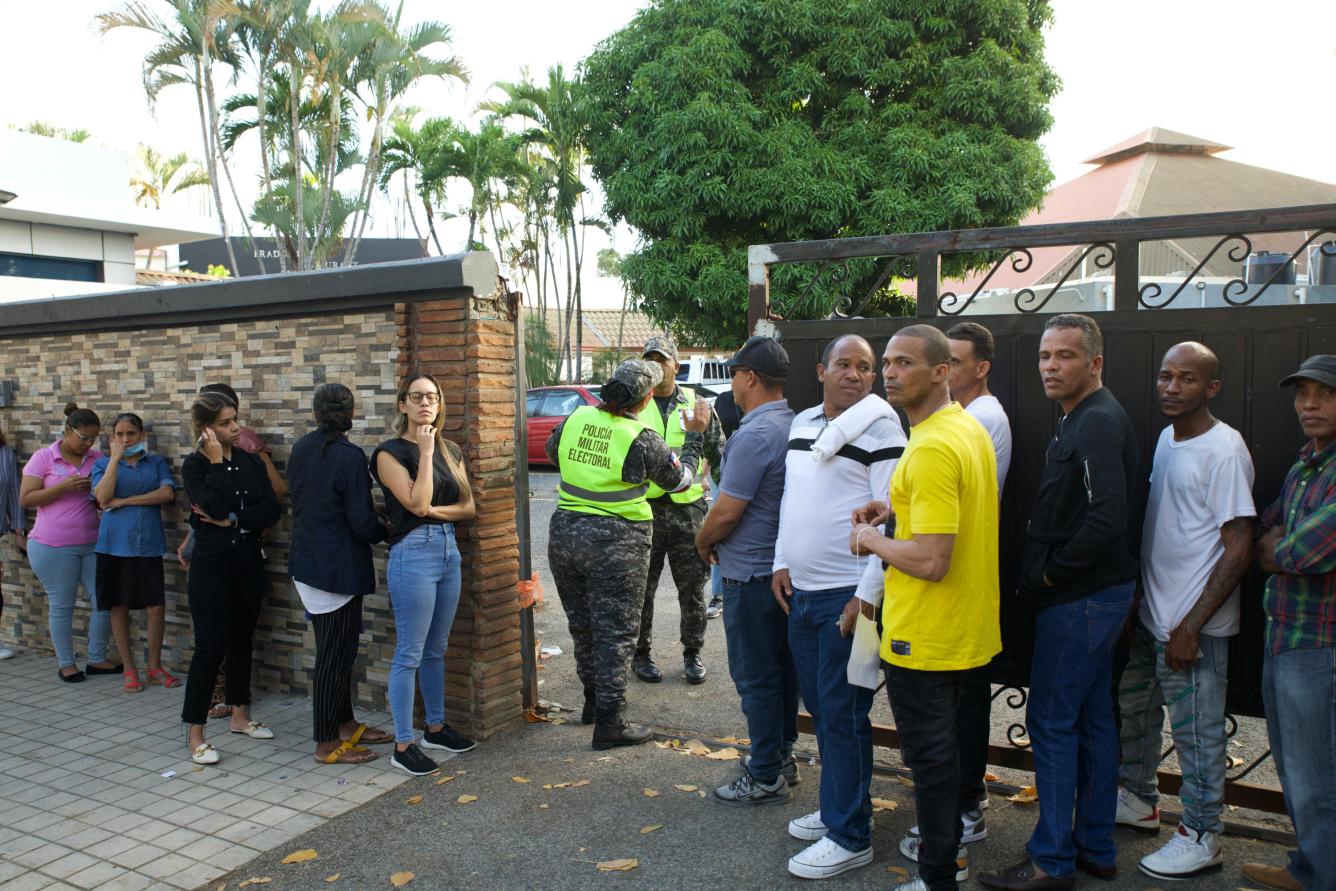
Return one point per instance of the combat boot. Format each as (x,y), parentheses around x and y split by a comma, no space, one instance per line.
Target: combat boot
(590,709)
(612,730)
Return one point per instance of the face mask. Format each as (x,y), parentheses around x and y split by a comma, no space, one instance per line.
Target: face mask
(137,449)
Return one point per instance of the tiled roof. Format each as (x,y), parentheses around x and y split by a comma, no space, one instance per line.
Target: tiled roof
(158,278)
(601,328)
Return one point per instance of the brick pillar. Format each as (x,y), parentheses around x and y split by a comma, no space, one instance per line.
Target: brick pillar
(468,345)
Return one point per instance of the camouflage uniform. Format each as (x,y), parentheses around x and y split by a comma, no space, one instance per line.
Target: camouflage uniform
(599,565)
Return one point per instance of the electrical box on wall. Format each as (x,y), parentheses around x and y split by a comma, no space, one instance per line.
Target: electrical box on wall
(6,394)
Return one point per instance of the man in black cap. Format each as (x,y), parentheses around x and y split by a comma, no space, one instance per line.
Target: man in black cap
(677,519)
(1298,547)
(739,534)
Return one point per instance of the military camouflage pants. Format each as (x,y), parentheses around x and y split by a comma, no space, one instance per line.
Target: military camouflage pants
(599,565)
(675,527)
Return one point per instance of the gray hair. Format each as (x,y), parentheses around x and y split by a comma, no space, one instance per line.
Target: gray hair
(1092,339)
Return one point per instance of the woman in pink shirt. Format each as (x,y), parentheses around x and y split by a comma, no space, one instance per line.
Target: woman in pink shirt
(56,481)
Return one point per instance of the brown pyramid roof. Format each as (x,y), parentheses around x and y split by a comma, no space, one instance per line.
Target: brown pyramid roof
(1157,139)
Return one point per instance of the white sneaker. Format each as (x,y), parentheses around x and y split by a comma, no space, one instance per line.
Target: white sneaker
(825,859)
(807,827)
(972,829)
(1134,812)
(909,846)
(1187,853)
(6,653)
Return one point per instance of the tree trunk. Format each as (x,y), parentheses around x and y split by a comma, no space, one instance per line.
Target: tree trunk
(570,307)
(473,226)
(431,227)
(331,170)
(295,148)
(621,323)
(210,157)
(266,163)
(408,203)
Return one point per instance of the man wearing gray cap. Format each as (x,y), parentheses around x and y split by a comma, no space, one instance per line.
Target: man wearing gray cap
(739,534)
(677,519)
(599,542)
(1298,548)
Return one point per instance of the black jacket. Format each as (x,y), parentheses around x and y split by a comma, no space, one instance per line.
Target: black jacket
(334,522)
(238,485)
(1078,535)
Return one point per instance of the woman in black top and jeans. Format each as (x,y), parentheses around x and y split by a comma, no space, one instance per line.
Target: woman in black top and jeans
(423,574)
(231,501)
(334,525)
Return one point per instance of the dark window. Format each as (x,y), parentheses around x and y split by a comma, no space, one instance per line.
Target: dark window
(532,402)
(28,266)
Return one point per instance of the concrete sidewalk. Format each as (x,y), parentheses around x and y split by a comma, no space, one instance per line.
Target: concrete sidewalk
(97,789)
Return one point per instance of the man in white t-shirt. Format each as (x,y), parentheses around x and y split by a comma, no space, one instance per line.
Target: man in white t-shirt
(841,455)
(971,362)
(1195,548)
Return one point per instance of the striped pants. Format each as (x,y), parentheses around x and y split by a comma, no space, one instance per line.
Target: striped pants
(336,636)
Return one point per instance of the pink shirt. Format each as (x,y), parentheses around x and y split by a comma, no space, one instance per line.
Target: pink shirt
(72,518)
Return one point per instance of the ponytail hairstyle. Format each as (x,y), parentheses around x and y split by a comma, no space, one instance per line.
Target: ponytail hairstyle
(226,390)
(206,409)
(333,406)
(76,417)
(400,426)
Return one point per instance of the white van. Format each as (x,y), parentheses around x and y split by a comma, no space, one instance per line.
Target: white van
(698,372)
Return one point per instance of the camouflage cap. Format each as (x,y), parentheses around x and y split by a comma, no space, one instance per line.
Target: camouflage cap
(638,376)
(662,345)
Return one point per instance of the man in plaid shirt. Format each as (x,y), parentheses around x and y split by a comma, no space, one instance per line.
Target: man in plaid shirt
(1298,548)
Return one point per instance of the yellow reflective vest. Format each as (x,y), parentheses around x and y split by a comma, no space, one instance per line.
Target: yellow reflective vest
(591,452)
(676,436)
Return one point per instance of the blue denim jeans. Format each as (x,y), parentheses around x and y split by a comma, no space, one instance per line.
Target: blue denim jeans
(839,711)
(423,577)
(757,633)
(716,581)
(1299,694)
(1071,724)
(61,571)
(1195,700)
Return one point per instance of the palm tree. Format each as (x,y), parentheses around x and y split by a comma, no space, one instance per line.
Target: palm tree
(41,128)
(409,150)
(159,177)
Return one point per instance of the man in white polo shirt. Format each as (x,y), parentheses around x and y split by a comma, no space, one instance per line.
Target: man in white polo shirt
(841,455)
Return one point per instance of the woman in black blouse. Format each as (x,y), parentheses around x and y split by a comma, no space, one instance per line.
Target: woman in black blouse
(232,501)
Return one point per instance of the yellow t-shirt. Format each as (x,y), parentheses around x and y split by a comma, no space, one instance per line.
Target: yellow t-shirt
(945,484)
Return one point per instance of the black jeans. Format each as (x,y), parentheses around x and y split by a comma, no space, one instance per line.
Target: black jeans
(225,591)
(336,637)
(925,705)
(974,723)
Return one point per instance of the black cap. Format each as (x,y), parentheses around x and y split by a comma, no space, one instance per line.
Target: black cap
(764,355)
(1320,368)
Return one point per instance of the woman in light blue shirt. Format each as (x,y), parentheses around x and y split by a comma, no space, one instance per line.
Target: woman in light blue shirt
(130,485)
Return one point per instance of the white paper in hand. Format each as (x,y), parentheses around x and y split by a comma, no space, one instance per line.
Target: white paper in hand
(865,654)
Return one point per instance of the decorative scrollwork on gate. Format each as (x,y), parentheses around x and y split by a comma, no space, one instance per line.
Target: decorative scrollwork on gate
(902,266)
(1101,253)
(1017,697)
(1237,254)
(1021,258)
(1236,287)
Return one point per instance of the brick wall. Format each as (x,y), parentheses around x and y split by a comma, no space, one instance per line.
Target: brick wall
(275,365)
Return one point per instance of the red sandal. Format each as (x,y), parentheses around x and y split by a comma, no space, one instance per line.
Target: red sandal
(132,684)
(159,675)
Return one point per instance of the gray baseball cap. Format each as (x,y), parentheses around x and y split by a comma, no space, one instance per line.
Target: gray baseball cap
(638,376)
(1321,368)
(662,345)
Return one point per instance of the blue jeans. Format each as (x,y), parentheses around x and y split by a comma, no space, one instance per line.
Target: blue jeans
(757,633)
(1195,700)
(1071,726)
(423,577)
(61,571)
(716,581)
(1299,694)
(839,711)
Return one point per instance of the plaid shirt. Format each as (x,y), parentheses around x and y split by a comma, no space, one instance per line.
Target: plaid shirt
(1300,601)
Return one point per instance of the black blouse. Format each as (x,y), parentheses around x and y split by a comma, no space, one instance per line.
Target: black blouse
(444,490)
(238,485)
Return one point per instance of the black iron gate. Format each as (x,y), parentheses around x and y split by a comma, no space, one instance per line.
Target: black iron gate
(1261,331)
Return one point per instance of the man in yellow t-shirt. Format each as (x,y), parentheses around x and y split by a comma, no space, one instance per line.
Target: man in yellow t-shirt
(940,619)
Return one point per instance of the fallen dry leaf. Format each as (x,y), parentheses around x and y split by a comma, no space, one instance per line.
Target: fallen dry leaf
(258,880)
(701,793)
(578,783)
(303,856)
(990,777)
(883,804)
(1021,742)
(399,879)
(329,880)
(668,743)
(413,799)
(466,799)
(695,747)
(557,721)
(542,807)
(649,793)
(726,754)
(520,780)
(1234,761)
(905,781)
(898,871)
(684,787)
(604,758)
(445,779)
(652,828)
(1028,795)
(618,865)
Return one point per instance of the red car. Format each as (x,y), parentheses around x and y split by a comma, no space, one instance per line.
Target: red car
(547,406)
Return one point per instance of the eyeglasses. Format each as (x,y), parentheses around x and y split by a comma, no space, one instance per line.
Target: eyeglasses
(429,398)
(86,440)
(734,369)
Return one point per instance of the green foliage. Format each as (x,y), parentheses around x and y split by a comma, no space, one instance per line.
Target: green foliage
(219,270)
(540,356)
(715,124)
(605,363)
(41,128)
(158,176)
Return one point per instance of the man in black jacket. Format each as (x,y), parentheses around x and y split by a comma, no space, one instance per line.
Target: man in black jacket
(1079,573)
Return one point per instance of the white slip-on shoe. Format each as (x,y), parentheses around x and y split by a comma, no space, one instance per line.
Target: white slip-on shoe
(1188,853)
(255,730)
(825,859)
(204,754)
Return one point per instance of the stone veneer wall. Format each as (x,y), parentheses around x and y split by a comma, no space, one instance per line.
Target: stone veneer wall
(275,365)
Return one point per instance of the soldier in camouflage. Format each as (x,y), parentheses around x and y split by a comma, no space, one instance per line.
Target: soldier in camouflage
(602,530)
(677,519)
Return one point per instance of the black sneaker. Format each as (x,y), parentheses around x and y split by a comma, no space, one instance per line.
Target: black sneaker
(447,739)
(411,760)
(747,791)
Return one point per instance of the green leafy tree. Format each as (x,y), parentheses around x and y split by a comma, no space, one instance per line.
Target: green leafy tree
(715,124)
(158,177)
(41,128)
(540,356)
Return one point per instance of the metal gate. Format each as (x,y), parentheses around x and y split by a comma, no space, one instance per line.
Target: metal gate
(1260,329)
